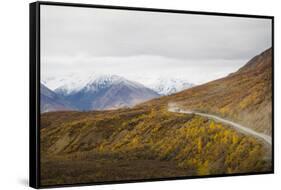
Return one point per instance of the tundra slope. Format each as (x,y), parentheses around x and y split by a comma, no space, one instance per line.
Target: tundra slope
(244,96)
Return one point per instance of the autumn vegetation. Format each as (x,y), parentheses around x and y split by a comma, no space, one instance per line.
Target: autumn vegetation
(120,145)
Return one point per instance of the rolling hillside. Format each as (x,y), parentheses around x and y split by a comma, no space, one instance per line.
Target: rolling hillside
(143,143)
(244,96)
(147,141)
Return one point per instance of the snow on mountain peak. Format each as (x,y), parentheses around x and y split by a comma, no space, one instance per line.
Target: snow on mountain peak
(72,83)
(101,81)
(167,86)
(66,84)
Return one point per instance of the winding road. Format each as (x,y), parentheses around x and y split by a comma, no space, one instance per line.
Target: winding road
(241,128)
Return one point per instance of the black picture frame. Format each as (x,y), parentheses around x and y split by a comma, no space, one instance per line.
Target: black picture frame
(34,90)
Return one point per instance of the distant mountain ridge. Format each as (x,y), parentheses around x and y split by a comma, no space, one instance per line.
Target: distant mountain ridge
(72,83)
(110,92)
(168,86)
(105,91)
(50,101)
(100,92)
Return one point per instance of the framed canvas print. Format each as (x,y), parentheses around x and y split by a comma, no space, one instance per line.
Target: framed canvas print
(125,94)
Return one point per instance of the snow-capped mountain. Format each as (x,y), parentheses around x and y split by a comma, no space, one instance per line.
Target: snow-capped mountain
(69,84)
(167,86)
(104,81)
(99,92)
(50,101)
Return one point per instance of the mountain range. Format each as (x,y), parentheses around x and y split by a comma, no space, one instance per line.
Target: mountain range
(103,92)
(51,101)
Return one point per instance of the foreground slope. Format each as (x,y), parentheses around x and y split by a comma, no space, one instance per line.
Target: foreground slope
(143,143)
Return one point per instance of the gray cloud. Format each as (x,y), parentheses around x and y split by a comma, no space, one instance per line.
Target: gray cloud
(71,37)
(102,32)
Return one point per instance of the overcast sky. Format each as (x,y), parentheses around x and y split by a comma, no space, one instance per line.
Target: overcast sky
(140,45)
